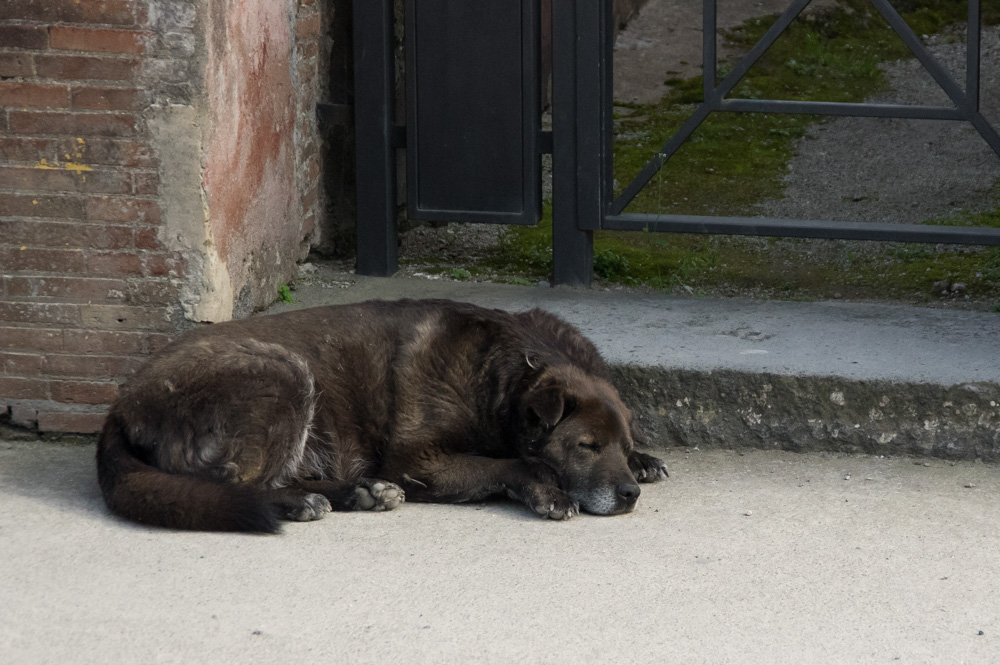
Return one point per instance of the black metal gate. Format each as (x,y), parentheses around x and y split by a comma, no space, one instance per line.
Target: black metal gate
(473,138)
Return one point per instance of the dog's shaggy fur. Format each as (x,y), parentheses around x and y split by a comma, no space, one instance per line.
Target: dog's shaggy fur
(237,425)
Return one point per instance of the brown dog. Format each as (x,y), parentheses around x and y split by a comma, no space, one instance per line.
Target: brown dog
(236,425)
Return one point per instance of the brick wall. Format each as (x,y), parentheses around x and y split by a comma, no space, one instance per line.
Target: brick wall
(105,230)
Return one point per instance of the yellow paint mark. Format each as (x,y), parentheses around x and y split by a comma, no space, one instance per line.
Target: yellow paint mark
(79,140)
(69,166)
(34,202)
(73,166)
(24,247)
(68,157)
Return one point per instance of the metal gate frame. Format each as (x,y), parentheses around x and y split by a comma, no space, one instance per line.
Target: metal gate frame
(582,135)
(613,217)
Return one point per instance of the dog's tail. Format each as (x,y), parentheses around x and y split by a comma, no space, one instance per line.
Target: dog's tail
(140,492)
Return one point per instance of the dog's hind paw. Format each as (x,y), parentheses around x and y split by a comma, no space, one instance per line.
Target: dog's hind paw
(551,502)
(646,468)
(313,507)
(378,495)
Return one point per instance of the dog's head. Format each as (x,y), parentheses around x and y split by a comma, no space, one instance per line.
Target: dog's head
(577,425)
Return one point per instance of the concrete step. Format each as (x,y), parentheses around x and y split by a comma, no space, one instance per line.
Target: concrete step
(821,376)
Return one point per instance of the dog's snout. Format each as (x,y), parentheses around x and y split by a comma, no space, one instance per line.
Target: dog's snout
(628,491)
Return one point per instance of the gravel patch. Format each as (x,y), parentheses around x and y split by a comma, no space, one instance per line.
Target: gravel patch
(899,171)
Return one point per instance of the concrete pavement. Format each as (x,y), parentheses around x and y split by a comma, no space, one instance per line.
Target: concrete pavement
(763,557)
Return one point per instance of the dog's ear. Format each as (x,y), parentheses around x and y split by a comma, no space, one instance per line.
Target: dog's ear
(544,407)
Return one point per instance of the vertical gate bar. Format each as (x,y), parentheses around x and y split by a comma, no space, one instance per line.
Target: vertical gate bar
(593,111)
(709,64)
(531,35)
(972,55)
(572,248)
(374,74)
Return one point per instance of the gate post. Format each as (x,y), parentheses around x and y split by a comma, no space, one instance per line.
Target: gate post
(581,133)
(374,76)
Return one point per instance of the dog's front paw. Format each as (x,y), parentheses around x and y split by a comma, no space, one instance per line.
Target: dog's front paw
(646,468)
(378,495)
(550,501)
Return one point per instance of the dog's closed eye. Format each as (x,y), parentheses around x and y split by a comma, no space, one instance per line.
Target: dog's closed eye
(590,445)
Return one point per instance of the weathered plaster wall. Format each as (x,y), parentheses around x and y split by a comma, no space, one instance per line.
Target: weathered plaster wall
(252,240)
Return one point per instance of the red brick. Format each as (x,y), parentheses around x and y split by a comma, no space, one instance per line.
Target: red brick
(310,198)
(308,225)
(66,288)
(23,36)
(93,151)
(313,172)
(108,99)
(113,209)
(309,27)
(306,71)
(55,178)
(124,317)
(74,124)
(109,341)
(84,392)
(17,388)
(163,265)
(114,263)
(75,422)
(91,366)
(76,67)
(16,65)
(121,152)
(307,50)
(113,12)
(42,260)
(100,40)
(148,292)
(26,205)
(21,364)
(31,339)
(62,234)
(147,238)
(42,313)
(33,95)
(147,184)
